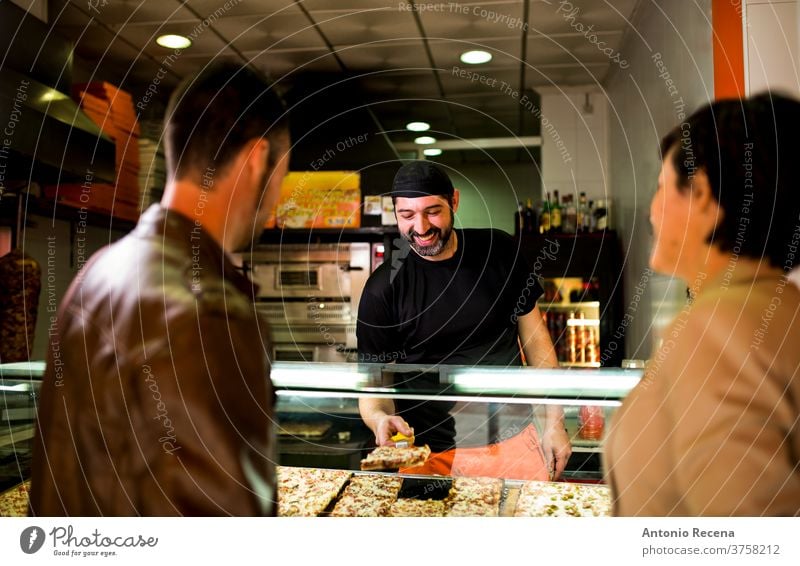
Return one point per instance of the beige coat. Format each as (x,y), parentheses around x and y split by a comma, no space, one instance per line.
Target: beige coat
(713,428)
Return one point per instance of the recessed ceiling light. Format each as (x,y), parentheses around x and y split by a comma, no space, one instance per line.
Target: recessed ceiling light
(418,126)
(432,151)
(425,140)
(172,41)
(476,57)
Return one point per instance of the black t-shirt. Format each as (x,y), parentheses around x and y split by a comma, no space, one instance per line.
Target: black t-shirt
(462,310)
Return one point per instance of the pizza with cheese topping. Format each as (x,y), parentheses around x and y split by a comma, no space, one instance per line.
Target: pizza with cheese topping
(393,457)
(417,508)
(474,497)
(307,492)
(368,496)
(561,499)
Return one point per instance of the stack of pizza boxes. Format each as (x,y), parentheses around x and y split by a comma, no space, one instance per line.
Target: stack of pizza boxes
(112,110)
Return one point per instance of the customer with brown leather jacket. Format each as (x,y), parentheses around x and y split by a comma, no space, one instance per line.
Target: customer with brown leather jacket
(162,402)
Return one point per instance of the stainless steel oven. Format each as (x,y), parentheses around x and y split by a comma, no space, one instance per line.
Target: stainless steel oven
(309,293)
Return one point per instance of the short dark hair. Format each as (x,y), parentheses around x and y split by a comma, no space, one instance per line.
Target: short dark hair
(749,150)
(213,114)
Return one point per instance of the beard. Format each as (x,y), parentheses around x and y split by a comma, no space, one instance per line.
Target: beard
(440,243)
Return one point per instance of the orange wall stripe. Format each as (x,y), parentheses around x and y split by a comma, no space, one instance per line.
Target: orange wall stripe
(726,23)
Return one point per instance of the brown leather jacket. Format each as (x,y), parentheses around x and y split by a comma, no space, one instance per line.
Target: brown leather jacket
(156,399)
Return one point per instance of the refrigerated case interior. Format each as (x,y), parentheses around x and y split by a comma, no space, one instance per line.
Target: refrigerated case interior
(319,426)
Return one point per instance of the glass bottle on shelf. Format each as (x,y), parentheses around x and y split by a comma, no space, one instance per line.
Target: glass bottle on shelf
(530,218)
(544,218)
(601,215)
(519,220)
(593,345)
(582,214)
(555,214)
(572,339)
(582,338)
(570,216)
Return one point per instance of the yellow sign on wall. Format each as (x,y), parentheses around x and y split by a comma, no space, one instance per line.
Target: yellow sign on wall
(319,199)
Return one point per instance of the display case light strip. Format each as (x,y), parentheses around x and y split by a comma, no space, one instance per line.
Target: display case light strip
(17,387)
(427,396)
(331,377)
(583,322)
(478,380)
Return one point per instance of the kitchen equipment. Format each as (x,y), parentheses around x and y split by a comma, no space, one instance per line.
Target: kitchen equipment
(309,294)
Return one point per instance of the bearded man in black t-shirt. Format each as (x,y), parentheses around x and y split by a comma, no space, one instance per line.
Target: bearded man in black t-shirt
(451,296)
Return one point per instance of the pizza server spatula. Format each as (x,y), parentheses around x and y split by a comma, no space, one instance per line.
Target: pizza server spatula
(402,441)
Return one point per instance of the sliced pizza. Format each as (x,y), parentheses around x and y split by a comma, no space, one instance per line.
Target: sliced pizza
(368,496)
(307,492)
(465,508)
(304,429)
(561,499)
(417,508)
(474,497)
(393,457)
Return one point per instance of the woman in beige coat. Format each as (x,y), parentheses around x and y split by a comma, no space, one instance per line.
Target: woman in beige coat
(713,428)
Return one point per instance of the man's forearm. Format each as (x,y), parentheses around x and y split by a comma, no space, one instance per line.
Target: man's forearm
(373,409)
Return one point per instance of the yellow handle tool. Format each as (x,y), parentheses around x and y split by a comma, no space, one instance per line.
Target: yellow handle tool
(402,441)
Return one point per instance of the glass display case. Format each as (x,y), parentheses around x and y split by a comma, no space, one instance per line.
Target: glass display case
(19,386)
(488,404)
(320,426)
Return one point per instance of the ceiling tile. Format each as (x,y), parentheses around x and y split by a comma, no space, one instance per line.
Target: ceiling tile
(117,12)
(349,5)
(291,63)
(384,56)
(579,15)
(270,31)
(466,21)
(352,28)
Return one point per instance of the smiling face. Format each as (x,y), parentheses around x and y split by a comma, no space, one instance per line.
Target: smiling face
(427,223)
(682,220)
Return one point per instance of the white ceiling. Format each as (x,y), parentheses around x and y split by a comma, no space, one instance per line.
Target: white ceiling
(393,53)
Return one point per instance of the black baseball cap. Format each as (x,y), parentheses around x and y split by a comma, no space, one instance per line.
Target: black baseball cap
(421,179)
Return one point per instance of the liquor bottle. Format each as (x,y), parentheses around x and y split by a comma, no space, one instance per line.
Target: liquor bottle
(519,220)
(593,346)
(572,339)
(544,219)
(601,216)
(555,214)
(592,219)
(583,337)
(570,216)
(530,218)
(583,214)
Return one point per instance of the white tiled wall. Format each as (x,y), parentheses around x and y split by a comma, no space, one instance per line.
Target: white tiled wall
(771,45)
(581,163)
(642,108)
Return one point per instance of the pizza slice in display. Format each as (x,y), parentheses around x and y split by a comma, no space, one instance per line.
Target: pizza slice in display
(393,457)
(474,497)
(368,496)
(417,508)
(307,492)
(559,499)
